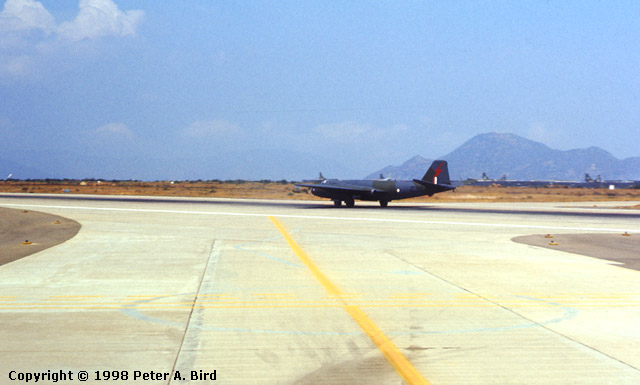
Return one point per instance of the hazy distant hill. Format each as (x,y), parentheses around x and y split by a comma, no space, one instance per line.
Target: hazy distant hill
(519,158)
(247,164)
(633,164)
(494,154)
(18,171)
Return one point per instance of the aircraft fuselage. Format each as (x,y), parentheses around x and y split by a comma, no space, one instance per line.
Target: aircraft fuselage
(381,190)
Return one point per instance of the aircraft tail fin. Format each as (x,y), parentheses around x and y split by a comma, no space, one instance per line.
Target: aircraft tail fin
(438,173)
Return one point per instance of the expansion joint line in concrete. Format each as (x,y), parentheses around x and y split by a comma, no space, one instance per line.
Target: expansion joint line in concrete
(400,363)
(193,305)
(513,311)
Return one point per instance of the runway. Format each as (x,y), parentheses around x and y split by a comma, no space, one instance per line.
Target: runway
(267,292)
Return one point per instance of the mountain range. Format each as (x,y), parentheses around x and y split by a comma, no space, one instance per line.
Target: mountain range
(499,154)
(495,154)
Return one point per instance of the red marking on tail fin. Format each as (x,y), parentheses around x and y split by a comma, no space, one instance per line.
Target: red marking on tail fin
(439,169)
(437,172)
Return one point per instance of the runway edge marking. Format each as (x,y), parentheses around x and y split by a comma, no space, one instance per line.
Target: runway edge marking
(319,217)
(401,364)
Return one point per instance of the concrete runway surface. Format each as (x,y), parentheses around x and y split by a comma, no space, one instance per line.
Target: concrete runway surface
(265,292)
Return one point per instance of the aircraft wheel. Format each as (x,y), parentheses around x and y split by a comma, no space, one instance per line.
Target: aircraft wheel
(337,203)
(384,203)
(349,203)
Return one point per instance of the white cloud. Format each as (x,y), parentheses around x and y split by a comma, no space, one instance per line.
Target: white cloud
(349,132)
(549,134)
(31,39)
(16,66)
(114,131)
(538,132)
(98,18)
(25,15)
(343,131)
(202,129)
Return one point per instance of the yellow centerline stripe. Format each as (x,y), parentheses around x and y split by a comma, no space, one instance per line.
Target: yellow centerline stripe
(401,364)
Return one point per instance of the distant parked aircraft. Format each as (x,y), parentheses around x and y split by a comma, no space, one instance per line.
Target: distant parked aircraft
(436,180)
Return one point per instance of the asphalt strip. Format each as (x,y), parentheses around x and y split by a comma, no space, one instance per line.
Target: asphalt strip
(24,232)
(623,249)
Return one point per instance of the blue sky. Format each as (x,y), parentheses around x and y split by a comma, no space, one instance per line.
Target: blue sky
(209,89)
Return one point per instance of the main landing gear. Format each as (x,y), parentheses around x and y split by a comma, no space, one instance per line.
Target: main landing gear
(347,202)
(351,203)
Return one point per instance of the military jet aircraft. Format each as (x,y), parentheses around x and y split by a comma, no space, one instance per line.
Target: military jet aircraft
(383,190)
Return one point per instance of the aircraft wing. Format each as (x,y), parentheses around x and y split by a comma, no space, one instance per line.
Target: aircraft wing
(342,188)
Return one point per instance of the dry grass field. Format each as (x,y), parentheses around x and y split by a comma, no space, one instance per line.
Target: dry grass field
(286,190)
